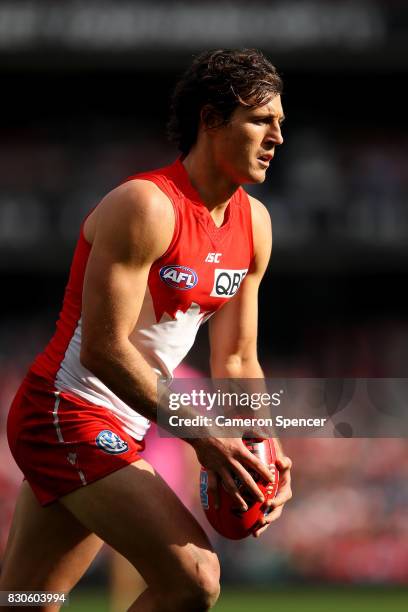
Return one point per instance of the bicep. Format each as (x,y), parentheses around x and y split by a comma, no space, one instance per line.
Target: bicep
(112,297)
(127,240)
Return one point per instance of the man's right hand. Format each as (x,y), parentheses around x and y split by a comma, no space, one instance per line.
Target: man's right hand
(225,458)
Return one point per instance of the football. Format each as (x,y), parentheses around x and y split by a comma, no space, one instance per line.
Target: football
(229,520)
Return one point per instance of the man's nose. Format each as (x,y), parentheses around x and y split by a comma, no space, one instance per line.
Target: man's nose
(275,134)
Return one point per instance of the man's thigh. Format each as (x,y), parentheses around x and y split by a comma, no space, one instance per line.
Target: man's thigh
(47,548)
(137,513)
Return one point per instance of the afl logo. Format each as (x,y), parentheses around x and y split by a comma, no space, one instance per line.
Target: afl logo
(179,277)
(110,442)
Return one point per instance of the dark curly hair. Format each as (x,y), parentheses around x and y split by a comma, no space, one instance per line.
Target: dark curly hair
(222,79)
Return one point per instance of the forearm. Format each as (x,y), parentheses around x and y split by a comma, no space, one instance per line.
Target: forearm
(236,367)
(127,374)
(239,368)
(123,369)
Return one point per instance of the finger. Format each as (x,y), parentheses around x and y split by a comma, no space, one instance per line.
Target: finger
(284,492)
(283,496)
(232,489)
(272,516)
(267,520)
(262,526)
(213,487)
(283,463)
(248,481)
(250,460)
(258,532)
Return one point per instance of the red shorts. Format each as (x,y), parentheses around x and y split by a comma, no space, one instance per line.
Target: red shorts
(62,442)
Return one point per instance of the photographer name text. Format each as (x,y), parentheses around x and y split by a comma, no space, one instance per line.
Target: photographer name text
(277,421)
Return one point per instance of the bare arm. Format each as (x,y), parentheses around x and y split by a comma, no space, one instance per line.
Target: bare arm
(233,340)
(134,226)
(234,328)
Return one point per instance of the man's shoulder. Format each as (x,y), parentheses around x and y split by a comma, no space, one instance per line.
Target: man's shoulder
(138,199)
(134,216)
(259,212)
(140,192)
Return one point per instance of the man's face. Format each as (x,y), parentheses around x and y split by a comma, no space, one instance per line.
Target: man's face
(244,147)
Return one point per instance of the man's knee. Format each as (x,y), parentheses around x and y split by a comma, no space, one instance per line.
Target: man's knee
(208,582)
(199,591)
(194,597)
(204,590)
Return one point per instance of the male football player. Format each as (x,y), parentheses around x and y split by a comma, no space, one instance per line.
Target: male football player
(159,255)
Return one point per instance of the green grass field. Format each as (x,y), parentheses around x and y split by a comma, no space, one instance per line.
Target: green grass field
(307,599)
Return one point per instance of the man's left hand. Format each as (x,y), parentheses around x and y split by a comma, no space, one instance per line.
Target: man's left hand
(284,494)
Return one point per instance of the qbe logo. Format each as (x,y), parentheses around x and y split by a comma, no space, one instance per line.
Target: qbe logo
(227,282)
(179,277)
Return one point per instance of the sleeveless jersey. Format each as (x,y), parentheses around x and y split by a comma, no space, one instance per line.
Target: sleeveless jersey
(201,270)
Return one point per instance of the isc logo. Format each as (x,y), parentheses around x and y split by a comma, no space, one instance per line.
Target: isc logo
(227,282)
(179,277)
(213,258)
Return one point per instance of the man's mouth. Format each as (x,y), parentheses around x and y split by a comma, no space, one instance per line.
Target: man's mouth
(265,159)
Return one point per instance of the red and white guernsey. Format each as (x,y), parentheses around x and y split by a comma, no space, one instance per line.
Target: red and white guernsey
(201,270)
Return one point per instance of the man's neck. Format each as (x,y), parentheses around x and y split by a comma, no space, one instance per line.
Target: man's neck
(214,188)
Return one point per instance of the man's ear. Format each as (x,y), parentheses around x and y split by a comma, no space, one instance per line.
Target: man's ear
(210,117)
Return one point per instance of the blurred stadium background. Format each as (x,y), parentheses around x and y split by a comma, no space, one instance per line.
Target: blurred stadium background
(84,104)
